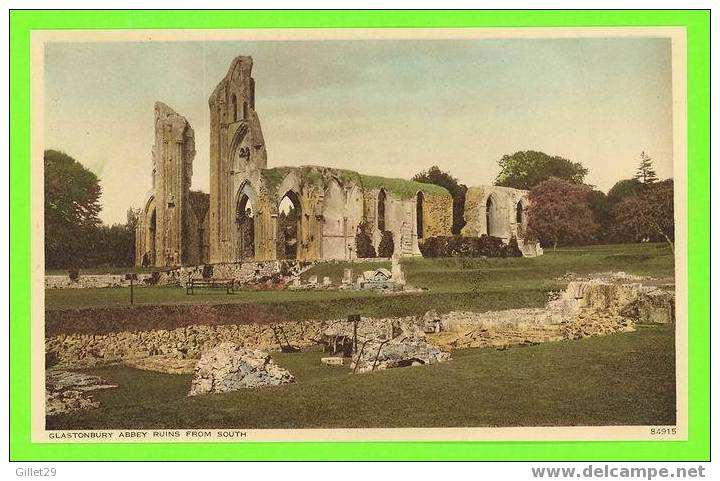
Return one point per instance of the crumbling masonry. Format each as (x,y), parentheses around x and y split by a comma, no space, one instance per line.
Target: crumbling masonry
(306,213)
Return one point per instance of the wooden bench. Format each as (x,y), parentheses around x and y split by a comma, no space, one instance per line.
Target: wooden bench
(227,284)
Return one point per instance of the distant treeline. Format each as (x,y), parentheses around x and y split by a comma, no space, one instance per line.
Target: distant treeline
(74,235)
(563,209)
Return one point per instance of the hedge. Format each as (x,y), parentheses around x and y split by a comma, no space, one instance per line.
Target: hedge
(458,246)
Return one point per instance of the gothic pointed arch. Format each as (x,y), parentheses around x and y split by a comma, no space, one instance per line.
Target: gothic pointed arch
(246,215)
(290,214)
(492,216)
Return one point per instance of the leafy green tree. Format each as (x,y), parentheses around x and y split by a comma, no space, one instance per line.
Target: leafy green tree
(646,173)
(526,169)
(623,188)
(559,213)
(437,177)
(602,214)
(72,205)
(648,214)
(112,246)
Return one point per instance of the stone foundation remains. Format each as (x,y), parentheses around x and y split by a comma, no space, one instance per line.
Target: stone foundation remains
(585,308)
(377,355)
(267,274)
(70,391)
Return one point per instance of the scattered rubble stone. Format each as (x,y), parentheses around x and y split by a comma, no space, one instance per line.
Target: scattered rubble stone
(67,391)
(229,367)
(378,355)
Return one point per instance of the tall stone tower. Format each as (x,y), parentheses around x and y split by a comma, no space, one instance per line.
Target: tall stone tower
(237,149)
(161,229)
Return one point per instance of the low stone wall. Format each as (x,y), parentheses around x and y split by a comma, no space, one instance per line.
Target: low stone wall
(86,281)
(84,350)
(277,272)
(585,308)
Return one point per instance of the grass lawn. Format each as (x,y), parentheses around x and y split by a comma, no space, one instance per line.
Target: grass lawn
(449,284)
(622,379)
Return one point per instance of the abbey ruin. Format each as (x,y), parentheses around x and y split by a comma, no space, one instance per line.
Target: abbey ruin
(307,213)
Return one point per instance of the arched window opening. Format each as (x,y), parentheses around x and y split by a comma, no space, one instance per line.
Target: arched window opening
(420,216)
(490,216)
(233,107)
(245,111)
(289,216)
(150,261)
(245,223)
(382,197)
(519,214)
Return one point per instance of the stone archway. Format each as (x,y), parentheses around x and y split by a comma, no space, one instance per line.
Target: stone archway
(382,199)
(492,217)
(520,218)
(245,215)
(335,229)
(151,246)
(289,219)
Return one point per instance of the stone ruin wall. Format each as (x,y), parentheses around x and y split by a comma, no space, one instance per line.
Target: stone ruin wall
(237,147)
(173,152)
(584,309)
(505,204)
(438,216)
(333,202)
(244,273)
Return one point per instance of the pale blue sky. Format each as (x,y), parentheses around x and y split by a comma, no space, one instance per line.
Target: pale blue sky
(383,107)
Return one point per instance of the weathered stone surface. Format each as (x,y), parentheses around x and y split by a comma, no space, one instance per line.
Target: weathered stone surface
(229,367)
(67,391)
(182,227)
(399,352)
(652,306)
(498,206)
(590,307)
(585,308)
(333,360)
(162,236)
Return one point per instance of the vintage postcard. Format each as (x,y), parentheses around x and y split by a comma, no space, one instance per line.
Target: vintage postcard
(359,235)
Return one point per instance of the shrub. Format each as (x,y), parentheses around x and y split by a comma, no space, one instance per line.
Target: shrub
(154,279)
(74,275)
(363,243)
(386,248)
(457,246)
(207,271)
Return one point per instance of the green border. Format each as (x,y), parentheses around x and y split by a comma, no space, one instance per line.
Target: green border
(697,23)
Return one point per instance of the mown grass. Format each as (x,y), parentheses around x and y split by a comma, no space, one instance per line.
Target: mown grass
(448,284)
(622,379)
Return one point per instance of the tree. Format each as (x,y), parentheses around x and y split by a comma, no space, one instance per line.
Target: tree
(72,205)
(646,173)
(559,213)
(133,218)
(112,246)
(602,214)
(526,169)
(437,177)
(623,188)
(648,214)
